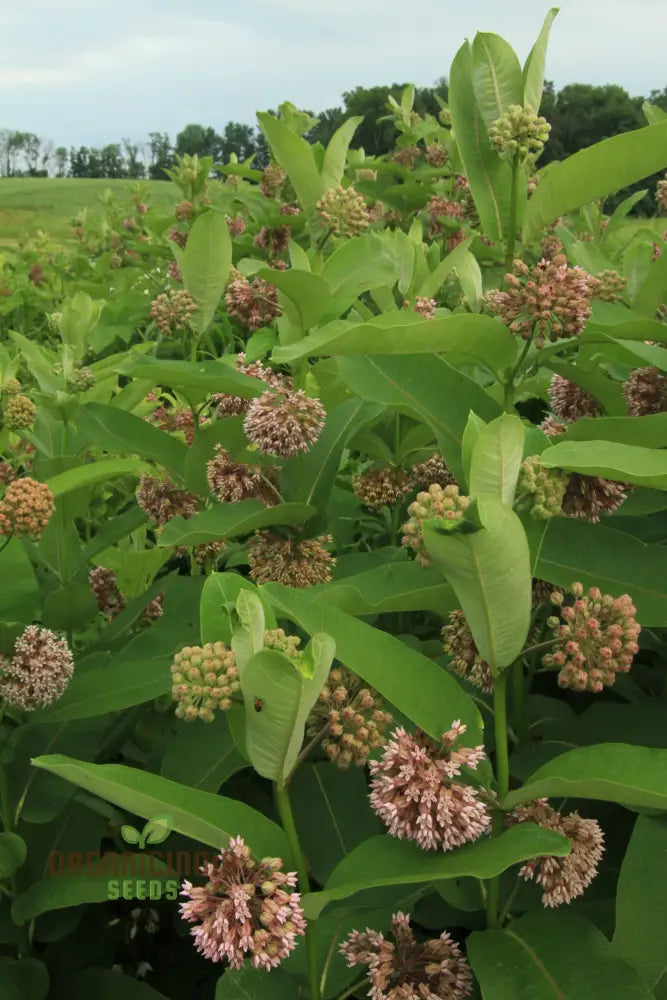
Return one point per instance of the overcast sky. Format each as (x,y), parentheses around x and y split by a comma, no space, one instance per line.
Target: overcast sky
(87,72)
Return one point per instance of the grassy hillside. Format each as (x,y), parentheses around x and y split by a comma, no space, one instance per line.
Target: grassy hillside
(29,204)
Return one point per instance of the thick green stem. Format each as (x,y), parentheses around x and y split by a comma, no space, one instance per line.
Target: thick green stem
(511,231)
(289,826)
(502,785)
(518,699)
(6,811)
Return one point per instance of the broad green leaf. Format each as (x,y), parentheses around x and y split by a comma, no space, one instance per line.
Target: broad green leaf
(95,472)
(650,431)
(248,983)
(490,571)
(220,592)
(358,265)
(278,696)
(575,550)
(496,458)
(639,937)
(596,383)
(297,157)
(69,608)
(551,956)
(205,265)
(202,755)
(488,175)
(333,167)
(309,293)
(652,292)
(18,603)
(39,363)
(394,586)
(13,852)
(104,984)
(386,860)
(433,282)
(469,274)
(624,463)
(477,339)
(332,814)
(205,376)
(496,74)
(594,173)
(225,520)
(139,671)
(617,217)
(533,70)
(250,624)
(23,979)
(427,387)
(78,315)
(117,430)
(471,435)
(653,113)
(612,772)
(414,684)
(209,819)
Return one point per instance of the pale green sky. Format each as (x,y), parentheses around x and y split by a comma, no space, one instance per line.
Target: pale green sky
(82,72)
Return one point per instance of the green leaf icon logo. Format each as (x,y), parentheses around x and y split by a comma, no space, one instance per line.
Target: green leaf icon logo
(130,835)
(157,830)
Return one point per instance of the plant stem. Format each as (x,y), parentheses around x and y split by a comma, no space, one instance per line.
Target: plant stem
(289,826)
(511,233)
(23,944)
(353,989)
(518,698)
(508,403)
(502,785)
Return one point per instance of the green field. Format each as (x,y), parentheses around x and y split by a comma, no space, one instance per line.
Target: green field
(31,204)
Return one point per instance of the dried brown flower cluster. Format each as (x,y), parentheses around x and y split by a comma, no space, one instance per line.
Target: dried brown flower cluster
(273,179)
(173,310)
(589,496)
(284,422)
(344,211)
(176,419)
(569,401)
(204,678)
(458,642)
(352,718)
(253,304)
(661,196)
(154,609)
(246,909)
(520,133)
(26,508)
(436,154)
(433,471)
(596,638)
(38,672)
(439,502)
(231,481)
(414,793)
(294,562)
(383,487)
(539,490)
(18,413)
(235,224)
(229,405)
(609,286)
(407,156)
(106,591)
(562,879)
(404,969)
(553,300)
(645,392)
(161,500)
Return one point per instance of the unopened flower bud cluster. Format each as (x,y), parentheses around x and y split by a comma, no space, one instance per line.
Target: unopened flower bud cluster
(204,678)
(173,310)
(354,716)
(520,133)
(439,503)
(540,491)
(344,211)
(26,508)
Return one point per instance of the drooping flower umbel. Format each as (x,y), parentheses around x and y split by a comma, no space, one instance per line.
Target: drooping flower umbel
(553,299)
(246,909)
(645,392)
(26,508)
(562,879)
(228,405)
(382,487)
(294,562)
(253,304)
(204,678)
(433,470)
(466,662)
(106,591)
(231,481)
(39,670)
(353,718)
(402,968)
(284,423)
(414,791)
(161,499)
(596,638)
(569,401)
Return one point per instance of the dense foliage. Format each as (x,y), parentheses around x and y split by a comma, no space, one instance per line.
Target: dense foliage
(333,540)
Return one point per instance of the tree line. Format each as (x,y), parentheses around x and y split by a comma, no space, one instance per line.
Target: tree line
(579,114)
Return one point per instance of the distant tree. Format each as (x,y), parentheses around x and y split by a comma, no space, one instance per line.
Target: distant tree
(31,149)
(61,157)
(14,149)
(659,97)
(112,163)
(198,140)
(329,121)
(161,155)
(581,114)
(134,167)
(376,137)
(237,138)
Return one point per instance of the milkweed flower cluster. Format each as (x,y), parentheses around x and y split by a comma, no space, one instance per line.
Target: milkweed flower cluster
(19,412)
(569,401)
(273,178)
(402,968)
(519,133)
(596,638)
(246,909)
(436,154)
(253,304)
(161,500)
(38,671)
(609,286)
(354,716)
(645,392)
(26,508)
(562,879)
(228,405)
(414,791)
(458,642)
(382,487)
(540,490)
(106,591)
(553,299)
(344,210)
(439,208)
(231,481)
(661,196)
(294,562)
(204,678)
(173,310)
(425,307)
(439,502)
(407,156)
(433,470)
(284,422)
